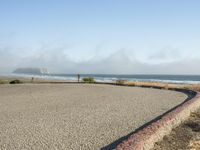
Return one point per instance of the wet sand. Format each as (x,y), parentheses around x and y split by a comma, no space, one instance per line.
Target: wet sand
(76,116)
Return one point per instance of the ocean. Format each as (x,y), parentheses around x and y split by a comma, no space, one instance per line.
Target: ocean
(177,79)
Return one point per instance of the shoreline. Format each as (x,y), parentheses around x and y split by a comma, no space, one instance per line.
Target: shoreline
(162,85)
(179,79)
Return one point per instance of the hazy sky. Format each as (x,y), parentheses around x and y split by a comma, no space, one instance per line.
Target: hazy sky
(101,36)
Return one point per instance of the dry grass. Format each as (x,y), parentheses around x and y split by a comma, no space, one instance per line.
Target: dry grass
(155,84)
(194,87)
(4,81)
(13,81)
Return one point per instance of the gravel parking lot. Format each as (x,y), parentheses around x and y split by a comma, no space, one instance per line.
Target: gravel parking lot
(76,116)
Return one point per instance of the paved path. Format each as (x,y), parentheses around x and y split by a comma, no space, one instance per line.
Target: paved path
(76,116)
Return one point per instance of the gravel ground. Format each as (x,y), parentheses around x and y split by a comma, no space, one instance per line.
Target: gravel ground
(76,116)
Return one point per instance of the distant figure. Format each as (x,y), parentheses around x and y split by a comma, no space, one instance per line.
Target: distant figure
(78,77)
(32,79)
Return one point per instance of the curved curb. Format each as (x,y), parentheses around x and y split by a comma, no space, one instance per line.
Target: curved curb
(148,136)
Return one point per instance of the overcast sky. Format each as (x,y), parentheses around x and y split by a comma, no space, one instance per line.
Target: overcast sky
(101,36)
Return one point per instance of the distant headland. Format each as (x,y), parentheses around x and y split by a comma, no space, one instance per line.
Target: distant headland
(35,71)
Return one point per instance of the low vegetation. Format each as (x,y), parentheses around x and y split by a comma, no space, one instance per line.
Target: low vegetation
(89,80)
(15,82)
(195,87)
(120,82)
(154,84)
(3,81)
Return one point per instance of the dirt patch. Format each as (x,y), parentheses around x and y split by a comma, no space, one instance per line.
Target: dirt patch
(184,137)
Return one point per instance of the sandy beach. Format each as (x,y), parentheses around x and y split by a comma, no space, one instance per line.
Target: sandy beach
(76,116)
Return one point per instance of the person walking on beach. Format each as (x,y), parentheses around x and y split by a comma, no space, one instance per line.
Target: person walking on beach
(32,79)
(78,77)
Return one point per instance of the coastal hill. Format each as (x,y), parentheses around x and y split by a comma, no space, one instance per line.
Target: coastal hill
(36,71)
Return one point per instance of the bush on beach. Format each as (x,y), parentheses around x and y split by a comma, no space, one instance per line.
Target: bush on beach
(15,81)
(120,82)
(89,80)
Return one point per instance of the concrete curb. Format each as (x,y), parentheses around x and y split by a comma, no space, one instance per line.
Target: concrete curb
(146,138)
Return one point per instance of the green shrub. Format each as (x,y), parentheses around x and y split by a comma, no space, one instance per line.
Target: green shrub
(15,81)
(89,80)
